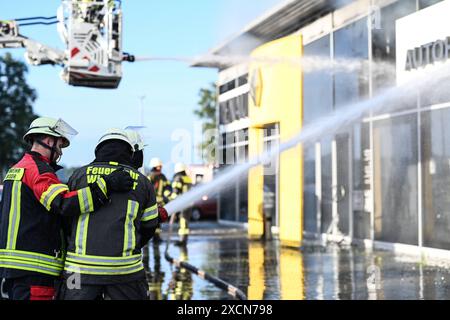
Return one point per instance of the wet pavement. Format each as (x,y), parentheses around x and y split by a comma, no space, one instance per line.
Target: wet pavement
(265,270)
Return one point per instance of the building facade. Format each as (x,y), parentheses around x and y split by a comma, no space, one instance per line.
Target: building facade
(382,179)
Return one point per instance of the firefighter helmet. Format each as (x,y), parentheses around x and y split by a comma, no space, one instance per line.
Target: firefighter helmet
(51,127)
(155,162)
(179,167)
(115,134)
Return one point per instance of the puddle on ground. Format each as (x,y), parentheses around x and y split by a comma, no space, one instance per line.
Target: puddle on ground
(265,270)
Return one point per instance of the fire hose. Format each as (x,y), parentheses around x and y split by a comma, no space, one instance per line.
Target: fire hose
(219,283)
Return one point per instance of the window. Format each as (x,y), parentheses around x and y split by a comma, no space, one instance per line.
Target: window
(351,42)
(309,171)
(436,178)
(327,189)
(317,86)
(227,86)
(271,174)
(426,3)
(362,176)
(383,43)
(317,102)
(395,179)
(233,109)
(243,80)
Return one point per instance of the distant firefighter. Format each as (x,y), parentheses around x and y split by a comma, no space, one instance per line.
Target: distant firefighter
(182,183)
(162,189)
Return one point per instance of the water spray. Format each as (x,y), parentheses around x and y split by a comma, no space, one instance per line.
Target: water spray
(306,64)
(330,124)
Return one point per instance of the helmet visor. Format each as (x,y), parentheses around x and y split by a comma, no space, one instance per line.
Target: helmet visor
(136,137)
(65,130)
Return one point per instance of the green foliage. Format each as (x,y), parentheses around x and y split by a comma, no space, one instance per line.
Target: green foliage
(207,113)
(16,110)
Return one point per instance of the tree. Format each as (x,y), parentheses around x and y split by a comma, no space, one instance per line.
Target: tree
(16,111)
(207,113)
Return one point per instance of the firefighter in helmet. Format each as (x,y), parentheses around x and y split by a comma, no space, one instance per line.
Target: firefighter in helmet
(34,202)
(162,187)
(181,183)
(105,250)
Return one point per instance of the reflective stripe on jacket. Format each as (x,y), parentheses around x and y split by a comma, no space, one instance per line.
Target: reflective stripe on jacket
(162,188)
(34,199)
(181,183)
(109,242)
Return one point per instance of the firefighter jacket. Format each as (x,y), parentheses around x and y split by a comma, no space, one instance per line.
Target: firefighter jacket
(105,247)
(34,201)
(162,188)
(181,183)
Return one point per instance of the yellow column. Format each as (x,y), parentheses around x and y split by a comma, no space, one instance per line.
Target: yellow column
(255,188)
(256,270)
(292,277)
(291,197)
(276,97)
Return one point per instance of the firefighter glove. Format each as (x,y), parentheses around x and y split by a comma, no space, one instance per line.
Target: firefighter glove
(119,181)
(163,215)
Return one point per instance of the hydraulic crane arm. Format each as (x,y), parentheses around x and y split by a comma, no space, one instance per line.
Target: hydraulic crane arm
(92,34)
(36,53)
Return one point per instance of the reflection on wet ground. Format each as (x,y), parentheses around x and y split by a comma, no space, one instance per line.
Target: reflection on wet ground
(265,270)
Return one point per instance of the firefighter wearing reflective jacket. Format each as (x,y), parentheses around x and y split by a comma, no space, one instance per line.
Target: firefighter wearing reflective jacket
(181,183)
(162,189)
(34,201)
(104,250)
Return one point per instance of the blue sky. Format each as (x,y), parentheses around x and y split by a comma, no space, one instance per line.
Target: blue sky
(151,28)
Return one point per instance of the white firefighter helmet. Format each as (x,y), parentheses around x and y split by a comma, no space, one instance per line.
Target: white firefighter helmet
(115,134)
(135,139)
(51,127)
(155,162)
(179,167)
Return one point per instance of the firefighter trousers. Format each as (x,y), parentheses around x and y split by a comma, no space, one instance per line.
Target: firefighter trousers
(30,288)
(135,290)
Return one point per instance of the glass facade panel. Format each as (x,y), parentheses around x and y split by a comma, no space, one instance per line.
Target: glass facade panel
(228,203)
(351,42)
(438,93)
(395,179)
(271,177)
(309,173)
(383,43)
(342,189)
(327,189)
(436,178)
(243,199)
(234,199)
(317,102)
(426,3)
(317,86)
(361,181)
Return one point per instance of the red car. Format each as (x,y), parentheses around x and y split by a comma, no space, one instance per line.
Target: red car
(205,209)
